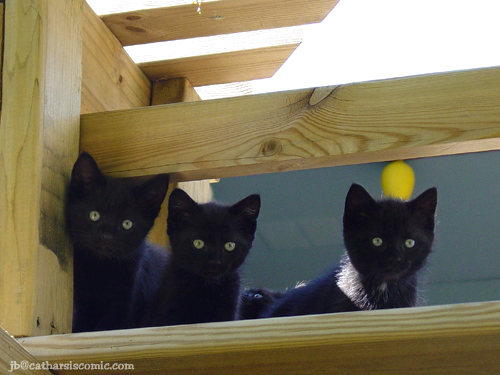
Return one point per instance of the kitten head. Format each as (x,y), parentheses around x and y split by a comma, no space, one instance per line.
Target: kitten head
(390,238)
(210,240)
(108,217)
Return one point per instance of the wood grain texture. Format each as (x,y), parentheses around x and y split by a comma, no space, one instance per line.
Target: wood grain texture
(177,90)
(39,137)
(225,90)
(454,339)
(439,114)
(1,47)
(217,17)
(12,354)
(110,79)
(220,68)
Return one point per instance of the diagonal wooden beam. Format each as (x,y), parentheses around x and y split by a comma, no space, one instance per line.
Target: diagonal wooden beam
(438,114)
(110,79)
(221,68)
(217,17)
(15,359)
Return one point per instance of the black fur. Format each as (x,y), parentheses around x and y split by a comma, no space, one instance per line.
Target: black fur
(254,301)
(108,220)
(203,284)
(387,243)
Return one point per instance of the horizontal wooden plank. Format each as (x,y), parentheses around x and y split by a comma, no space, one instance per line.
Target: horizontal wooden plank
(453,339)
(214,45)
(221,68)
(110,79)
(217,17)
(438,114)
(225,90)
(219,59)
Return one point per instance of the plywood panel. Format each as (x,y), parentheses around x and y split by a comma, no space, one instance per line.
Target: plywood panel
(111,80)
(454,339)
(439,114)
(39,137)
(217,17)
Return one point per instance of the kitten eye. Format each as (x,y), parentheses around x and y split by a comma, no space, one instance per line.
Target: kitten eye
(127,224)
(409,243)
(199,244)
(94,216)
(229,246)
(377,241)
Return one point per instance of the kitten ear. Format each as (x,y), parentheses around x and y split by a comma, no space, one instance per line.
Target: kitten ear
(181,205)
(424,207)
(357,199)
(246,212)
(248,208)
(152,193)
(85,174)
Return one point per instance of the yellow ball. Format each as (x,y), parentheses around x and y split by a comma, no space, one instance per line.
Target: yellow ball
(398,180)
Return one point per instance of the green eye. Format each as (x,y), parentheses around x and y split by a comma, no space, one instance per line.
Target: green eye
(377,241)
(94,216)
(409,243)
(199,244)
(229,246)
(127,224)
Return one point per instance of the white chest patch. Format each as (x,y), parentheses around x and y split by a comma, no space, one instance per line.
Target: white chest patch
(383,288)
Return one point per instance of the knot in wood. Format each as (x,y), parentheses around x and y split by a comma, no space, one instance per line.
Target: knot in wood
(133,18)
(271,147)
(135,29)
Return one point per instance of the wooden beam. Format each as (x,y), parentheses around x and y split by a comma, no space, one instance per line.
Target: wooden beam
(225,90)
(217,17)
(110,79)
(177,90)
(12,355)
(437,114)
(39,137)
(226,67)
(454,339)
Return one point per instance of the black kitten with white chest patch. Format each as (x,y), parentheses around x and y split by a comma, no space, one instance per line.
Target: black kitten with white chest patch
(387,243)
(108,220)
(209,242)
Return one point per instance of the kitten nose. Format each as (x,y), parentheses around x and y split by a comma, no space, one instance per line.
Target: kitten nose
(215,261)
(106,237)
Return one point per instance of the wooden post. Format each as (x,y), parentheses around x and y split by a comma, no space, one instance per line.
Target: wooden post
(39,135)
(176,90)
(1,46)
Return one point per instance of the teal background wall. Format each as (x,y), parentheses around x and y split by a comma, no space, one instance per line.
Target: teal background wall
(299,230)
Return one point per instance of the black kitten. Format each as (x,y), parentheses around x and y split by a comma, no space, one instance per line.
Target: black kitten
(255,301)
(108,220)
(209,242)
(387,242)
